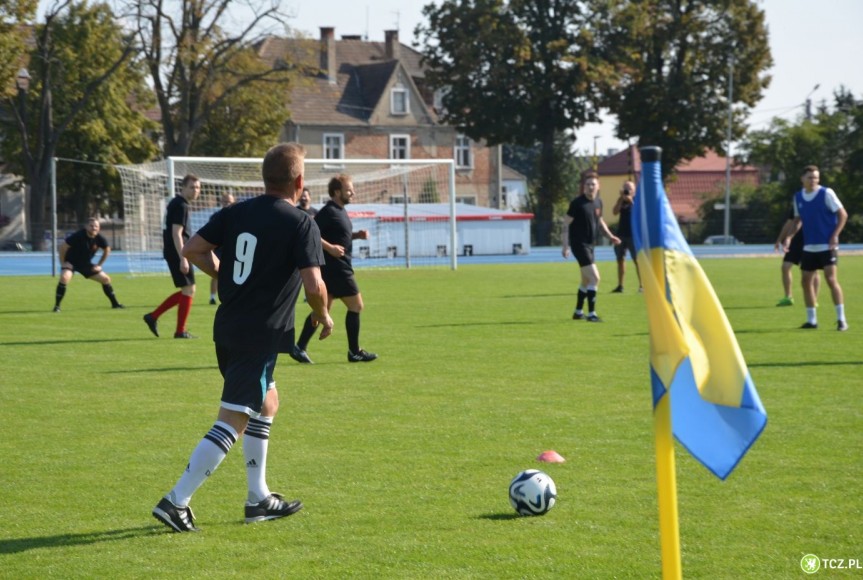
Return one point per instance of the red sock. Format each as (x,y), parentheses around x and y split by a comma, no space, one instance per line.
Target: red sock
(169,303)
(183,312)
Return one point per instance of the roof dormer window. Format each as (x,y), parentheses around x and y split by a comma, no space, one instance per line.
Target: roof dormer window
(399,101)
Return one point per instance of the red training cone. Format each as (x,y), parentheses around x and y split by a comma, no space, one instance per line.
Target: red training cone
(550,456)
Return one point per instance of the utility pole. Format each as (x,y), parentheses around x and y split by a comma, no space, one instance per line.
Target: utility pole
(726,231)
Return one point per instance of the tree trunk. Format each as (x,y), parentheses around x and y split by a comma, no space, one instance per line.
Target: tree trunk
(545,197)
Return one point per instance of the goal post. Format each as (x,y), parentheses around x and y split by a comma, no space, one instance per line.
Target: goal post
(408,206)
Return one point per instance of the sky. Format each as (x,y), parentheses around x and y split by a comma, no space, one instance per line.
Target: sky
(813,42)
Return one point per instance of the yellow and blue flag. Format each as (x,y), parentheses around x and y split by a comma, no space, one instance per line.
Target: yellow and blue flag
(694,357)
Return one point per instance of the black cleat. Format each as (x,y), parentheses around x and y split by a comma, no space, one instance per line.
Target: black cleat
(116,306)
(184,334)
(809,325)
(151,324)
(272,507)
(577,315)
(300,355)
(593,318)
(56,309)
(179,519)
(841,325)
(618,290)
(213,301)
(361,356)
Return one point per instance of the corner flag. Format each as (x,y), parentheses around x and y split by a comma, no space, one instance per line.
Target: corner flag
(695,361)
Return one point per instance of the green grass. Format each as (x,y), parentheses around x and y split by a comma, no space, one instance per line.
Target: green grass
(403,464)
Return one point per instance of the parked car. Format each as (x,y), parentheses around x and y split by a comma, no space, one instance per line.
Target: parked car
(16,246)
(721,241)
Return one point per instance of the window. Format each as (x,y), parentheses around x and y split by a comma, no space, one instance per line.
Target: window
(400,147)
(463,157)
(334,146)
(466,199)
(399,101)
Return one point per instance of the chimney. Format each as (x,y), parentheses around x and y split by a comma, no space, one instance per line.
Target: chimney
(328,52)
(392,40)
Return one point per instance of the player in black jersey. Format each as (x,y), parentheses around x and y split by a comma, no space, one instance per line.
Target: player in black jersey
(338,272)
(584,222)
(226,200)
(76,255)
(174,237)
(793,253)
(268,247)
(306,202)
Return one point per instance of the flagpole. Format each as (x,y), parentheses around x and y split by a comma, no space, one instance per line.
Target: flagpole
(666,481)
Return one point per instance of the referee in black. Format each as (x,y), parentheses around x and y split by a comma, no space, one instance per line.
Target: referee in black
(268,246)
(337,239)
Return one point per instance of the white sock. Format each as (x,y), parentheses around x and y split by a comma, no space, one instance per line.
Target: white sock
(255,444)
(206,457)
(840,312)
(811,315)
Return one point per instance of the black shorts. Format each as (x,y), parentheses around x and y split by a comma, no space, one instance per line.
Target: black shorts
(795,250)
(177,276)
(248,376)
(583,253)
(818,260)
(340,284)
(86,269)
(625,244)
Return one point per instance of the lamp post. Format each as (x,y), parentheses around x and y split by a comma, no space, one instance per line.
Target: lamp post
(726,230)
(22,81)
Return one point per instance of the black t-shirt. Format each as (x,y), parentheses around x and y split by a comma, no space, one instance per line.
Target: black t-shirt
(82,247)
(624,226)
(177,213)
(265,241)
(336,228)
(585,214)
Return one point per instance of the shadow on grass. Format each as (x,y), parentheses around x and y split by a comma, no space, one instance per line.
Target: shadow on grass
(533,295)
(162,370)
(493,323)
(811,363)
(499,517)
(74,341)
(62,540)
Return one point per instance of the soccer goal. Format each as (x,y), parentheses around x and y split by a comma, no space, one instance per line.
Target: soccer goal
(408,206)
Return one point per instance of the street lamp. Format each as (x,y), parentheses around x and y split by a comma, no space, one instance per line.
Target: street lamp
(808,102)
(22,81)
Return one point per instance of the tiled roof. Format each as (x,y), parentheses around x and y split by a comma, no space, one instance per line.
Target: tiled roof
(363,71)
(692,183)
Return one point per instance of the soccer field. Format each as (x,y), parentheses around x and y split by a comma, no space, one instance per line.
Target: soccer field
(403,464)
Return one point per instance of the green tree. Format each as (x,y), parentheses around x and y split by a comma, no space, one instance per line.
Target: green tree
(832,140)
(194,49)
(519,72)
(248,120)
(113,129)
(674,60)
(39,130)
(16,18)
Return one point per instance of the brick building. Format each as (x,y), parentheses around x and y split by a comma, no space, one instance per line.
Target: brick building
(363,99)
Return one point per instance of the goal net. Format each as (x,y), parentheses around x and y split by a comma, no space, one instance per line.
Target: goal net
(408,206)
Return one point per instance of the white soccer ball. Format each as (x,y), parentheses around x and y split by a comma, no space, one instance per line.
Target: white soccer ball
(532,493)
